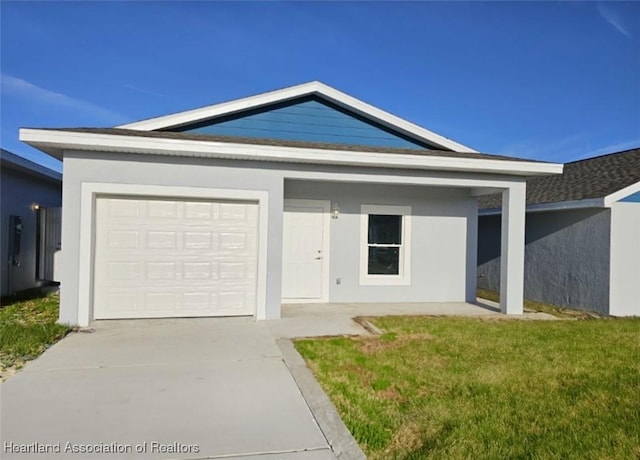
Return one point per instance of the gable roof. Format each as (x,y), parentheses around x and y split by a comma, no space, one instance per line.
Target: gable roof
(314,88)
(590,179)
(56,141)
(12,161)
(308,118)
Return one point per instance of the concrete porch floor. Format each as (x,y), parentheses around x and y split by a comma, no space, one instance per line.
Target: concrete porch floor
(317,320)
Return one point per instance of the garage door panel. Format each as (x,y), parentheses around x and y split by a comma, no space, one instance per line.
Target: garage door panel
(162,258)
(161,240)
(197,240)
(162,209)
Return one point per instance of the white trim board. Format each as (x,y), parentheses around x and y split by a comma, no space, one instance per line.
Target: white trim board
(555,206)
(88,194)
(306,89)
(56,142)
(621,194)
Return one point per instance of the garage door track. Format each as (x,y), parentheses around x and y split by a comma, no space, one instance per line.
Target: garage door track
(161,389)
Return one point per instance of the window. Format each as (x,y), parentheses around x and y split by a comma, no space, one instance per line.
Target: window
(385,245)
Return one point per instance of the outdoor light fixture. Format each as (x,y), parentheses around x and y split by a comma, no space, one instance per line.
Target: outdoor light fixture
(35,206)
(335,211)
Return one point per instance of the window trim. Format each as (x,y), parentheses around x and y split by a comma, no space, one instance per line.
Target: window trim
(403,278)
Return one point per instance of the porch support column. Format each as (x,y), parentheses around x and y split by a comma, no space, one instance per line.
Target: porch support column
(512,253)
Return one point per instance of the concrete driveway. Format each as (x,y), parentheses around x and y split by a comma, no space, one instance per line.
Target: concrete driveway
(171,389)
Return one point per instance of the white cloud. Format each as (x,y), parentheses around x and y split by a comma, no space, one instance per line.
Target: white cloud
(36,94)
(613,18)
(618,147)
(571,148)
(559,150)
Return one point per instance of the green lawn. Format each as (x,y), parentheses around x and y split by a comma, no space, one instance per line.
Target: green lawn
(28,326)
(453,388)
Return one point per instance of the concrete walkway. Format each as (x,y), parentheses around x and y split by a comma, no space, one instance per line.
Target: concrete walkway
(317,320)
(220,385)
(190,388)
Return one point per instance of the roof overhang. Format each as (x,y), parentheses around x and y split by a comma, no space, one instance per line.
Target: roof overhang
(282,95)
(55,143)
(599,202)
(621,194)
(556,206)
(10,160)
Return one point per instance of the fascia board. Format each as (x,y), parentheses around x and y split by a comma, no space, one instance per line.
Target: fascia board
(28,167)
(225,108)
(388,119)
(333,95)
(557,206)
(59,141)
(622,193)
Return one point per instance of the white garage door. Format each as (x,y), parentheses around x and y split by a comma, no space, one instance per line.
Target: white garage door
(158,258)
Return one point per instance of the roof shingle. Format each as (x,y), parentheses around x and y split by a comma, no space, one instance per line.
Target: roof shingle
(584,179)
(288,143)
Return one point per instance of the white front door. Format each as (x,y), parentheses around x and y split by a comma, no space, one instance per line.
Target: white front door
(305,251)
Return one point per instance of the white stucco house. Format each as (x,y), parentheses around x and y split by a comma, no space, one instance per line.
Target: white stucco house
(582,238)
(303,194)
(30,216)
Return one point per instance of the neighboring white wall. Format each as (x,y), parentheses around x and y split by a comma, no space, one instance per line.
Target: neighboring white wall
(566,257)
(442,240)
(19,190)
(625,259)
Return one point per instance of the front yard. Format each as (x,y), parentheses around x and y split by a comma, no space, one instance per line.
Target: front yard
(448,388)
(27,327)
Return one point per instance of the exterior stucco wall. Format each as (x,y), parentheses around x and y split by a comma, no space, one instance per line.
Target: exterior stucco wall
(162,171)
(19,190)
(566,257)
(625,259)
(443,266)
(442,240)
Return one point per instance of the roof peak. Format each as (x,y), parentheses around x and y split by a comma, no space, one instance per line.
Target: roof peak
(314,87)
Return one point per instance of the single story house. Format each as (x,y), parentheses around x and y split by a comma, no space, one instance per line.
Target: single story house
(303,194)
(582,236)
(30,200)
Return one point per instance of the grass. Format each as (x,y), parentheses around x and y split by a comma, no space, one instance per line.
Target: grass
(533,306)
(28,327)
(450,388)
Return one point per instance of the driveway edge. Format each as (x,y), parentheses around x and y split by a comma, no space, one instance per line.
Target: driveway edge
(342,443)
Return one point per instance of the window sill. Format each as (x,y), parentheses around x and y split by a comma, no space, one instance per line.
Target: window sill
(384,281)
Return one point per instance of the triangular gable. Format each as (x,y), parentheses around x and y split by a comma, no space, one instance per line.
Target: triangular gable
(353,113)
(309,119)
(634,198)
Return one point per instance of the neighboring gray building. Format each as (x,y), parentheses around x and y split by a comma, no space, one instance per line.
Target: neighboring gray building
(582,236)
(303,194)
(31,199)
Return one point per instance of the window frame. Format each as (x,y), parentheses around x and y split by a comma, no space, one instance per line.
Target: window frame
(404,263)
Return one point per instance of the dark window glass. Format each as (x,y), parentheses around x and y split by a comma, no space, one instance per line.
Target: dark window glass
(385,229)
(384,261)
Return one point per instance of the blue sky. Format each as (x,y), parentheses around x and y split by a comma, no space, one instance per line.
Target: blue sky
(554,81)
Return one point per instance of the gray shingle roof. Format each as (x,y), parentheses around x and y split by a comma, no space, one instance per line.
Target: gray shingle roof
(288,143)
(584,179)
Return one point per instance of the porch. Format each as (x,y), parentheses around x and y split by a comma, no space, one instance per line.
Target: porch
(334,319)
